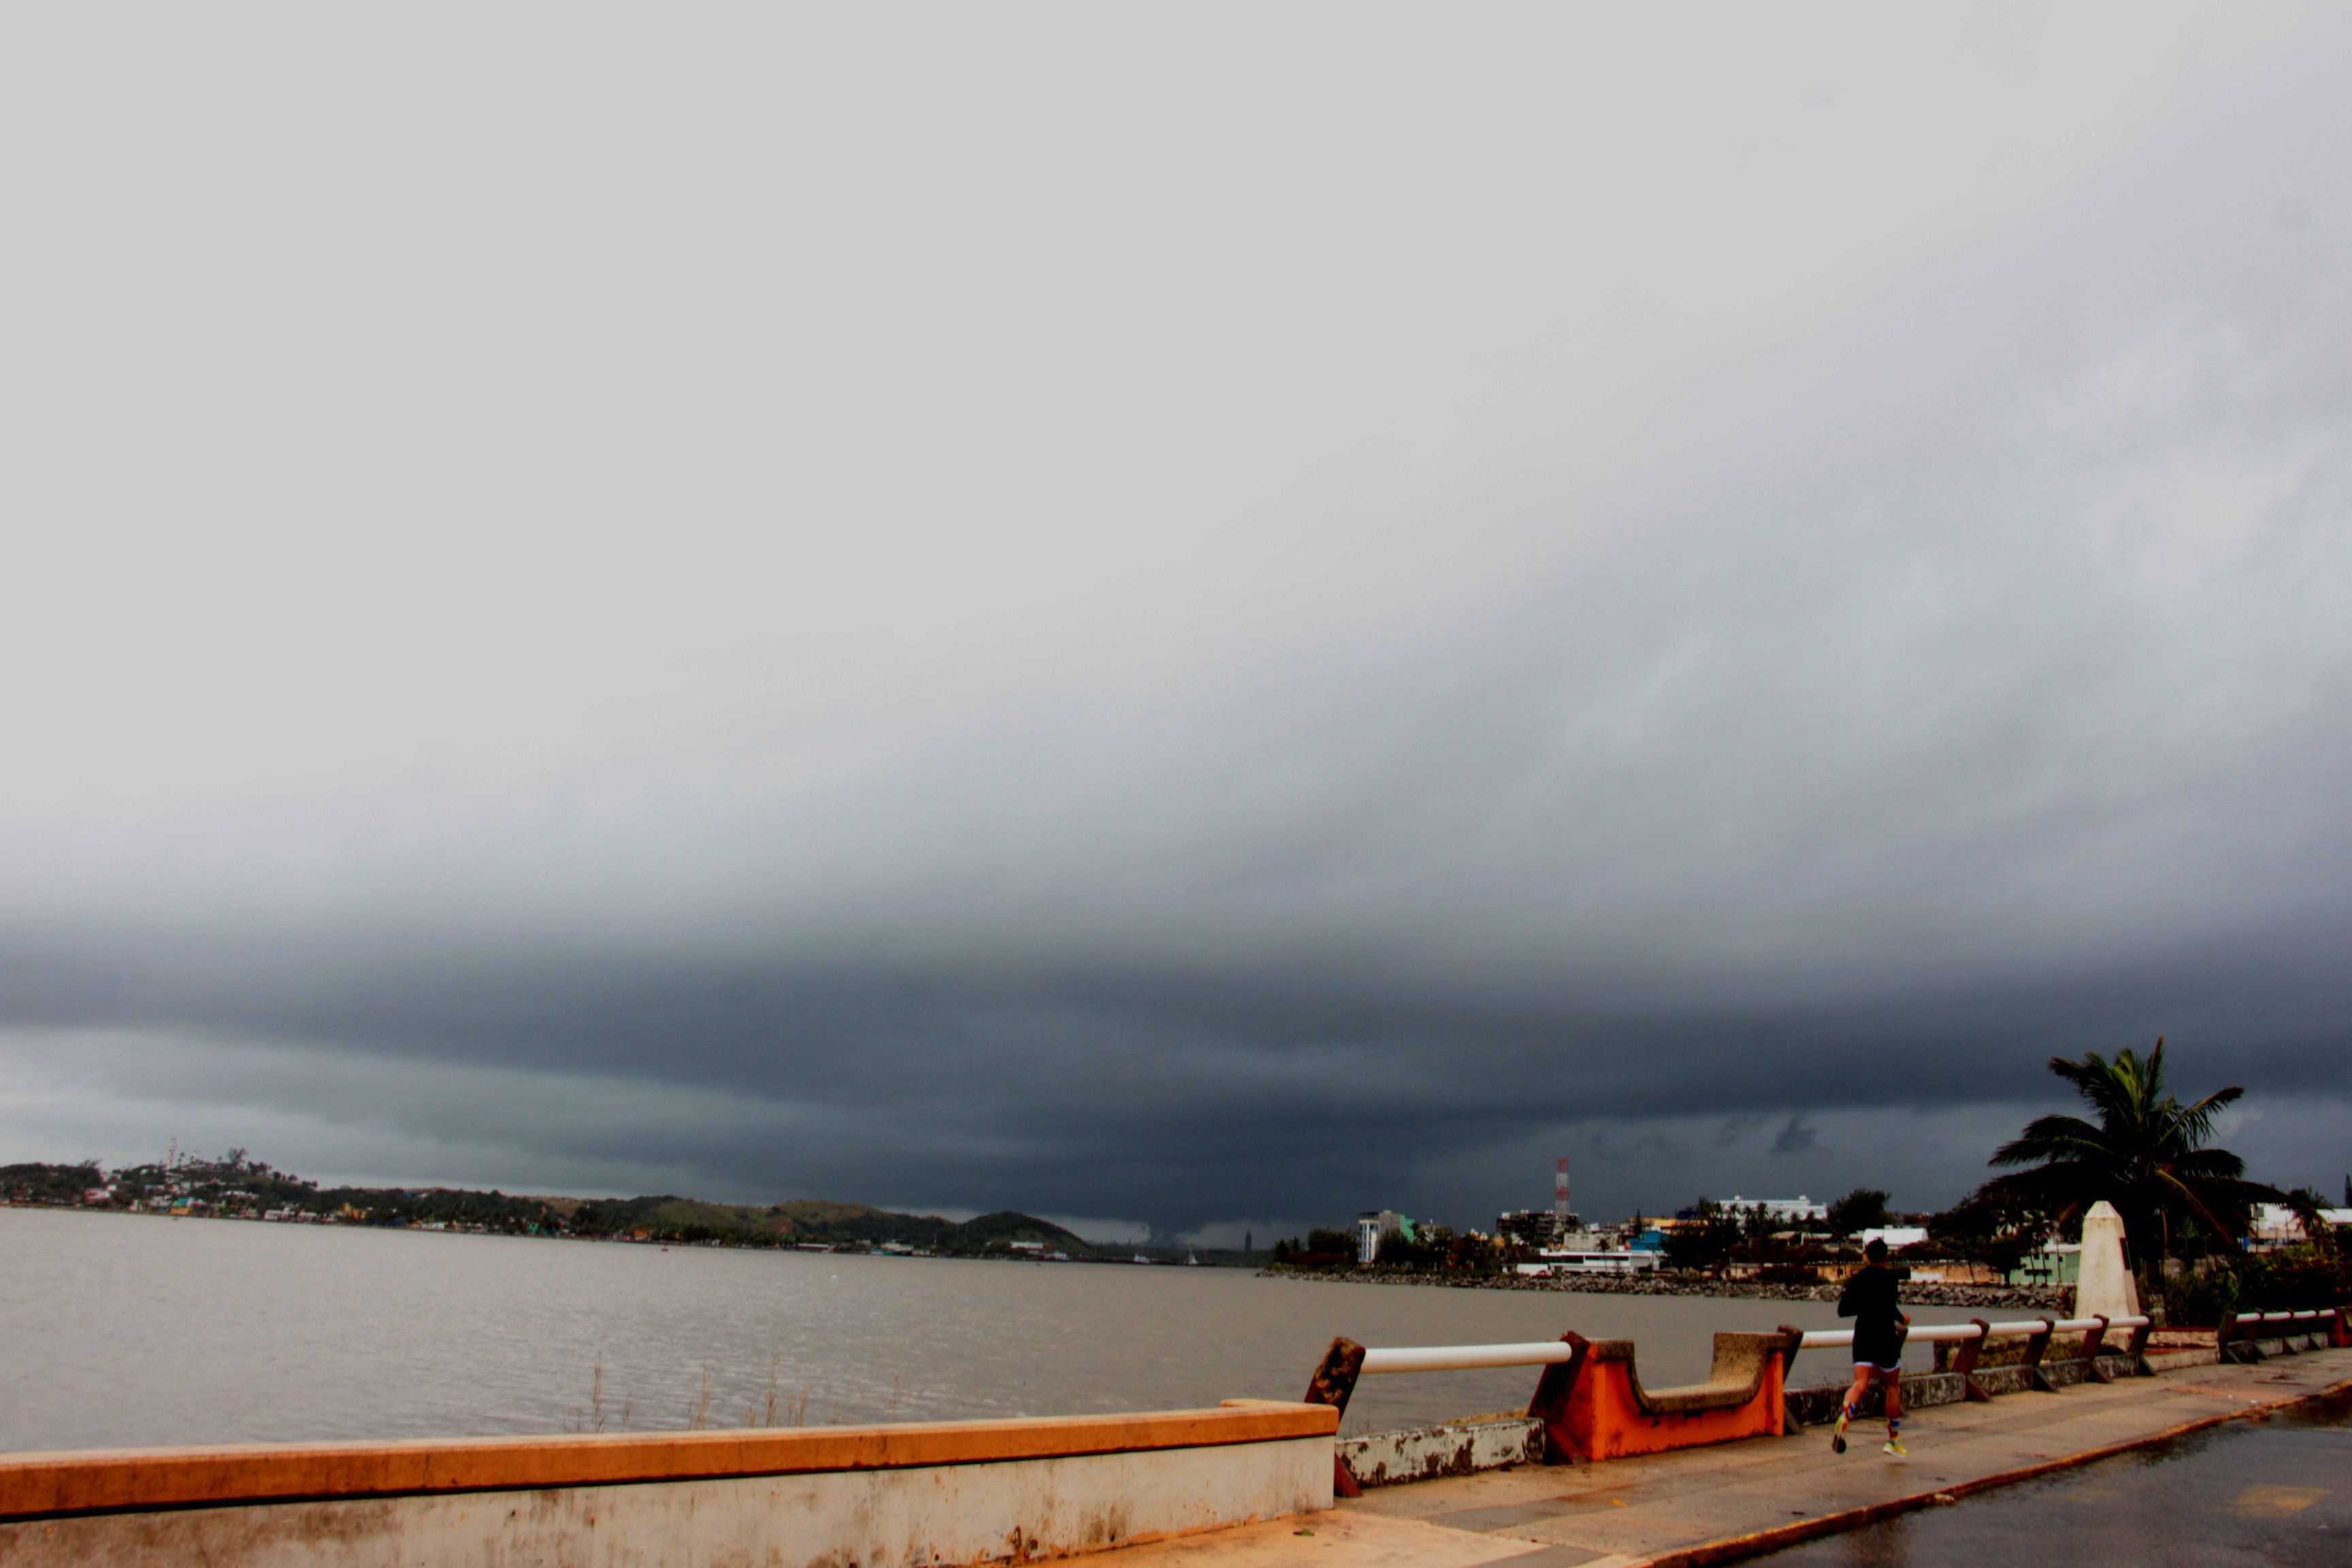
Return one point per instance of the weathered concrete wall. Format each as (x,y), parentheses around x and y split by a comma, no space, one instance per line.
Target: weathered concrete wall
(1456,1448)
(875,1519)
(893,1516)
(1819,1404)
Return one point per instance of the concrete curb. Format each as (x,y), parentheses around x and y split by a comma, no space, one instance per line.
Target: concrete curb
(1734,1548)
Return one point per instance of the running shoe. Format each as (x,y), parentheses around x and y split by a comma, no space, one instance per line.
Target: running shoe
(1837,1438)
(1895,1448)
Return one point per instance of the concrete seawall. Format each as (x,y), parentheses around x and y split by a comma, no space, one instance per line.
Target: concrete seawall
(916,1495)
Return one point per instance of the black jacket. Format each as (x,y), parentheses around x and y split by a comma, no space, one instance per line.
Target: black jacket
(1869,1299)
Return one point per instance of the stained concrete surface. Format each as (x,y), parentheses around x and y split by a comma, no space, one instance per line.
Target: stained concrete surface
(1711,1504)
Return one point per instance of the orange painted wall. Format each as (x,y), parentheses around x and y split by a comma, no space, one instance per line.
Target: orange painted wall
(1606,1421)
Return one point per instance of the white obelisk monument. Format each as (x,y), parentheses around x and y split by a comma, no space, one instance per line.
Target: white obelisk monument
(2102,1287)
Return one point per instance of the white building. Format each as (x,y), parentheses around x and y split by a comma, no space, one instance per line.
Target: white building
(1594,1260)
(1785,1211)
(1374,1224)
(2275,1224)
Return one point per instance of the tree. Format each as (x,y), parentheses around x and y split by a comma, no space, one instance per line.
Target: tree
(1704,1239)
(1995,1228)
(1865,1208)
(2147,1154)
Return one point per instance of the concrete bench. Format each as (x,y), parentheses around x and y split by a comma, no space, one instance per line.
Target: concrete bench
(1594,1406)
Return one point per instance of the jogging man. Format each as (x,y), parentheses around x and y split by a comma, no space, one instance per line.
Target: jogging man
(1879,1325)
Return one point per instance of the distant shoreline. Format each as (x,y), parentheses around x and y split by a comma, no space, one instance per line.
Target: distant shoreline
(2031,1298)
(1124,1255)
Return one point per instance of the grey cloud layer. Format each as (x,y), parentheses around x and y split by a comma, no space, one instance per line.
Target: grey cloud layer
(1034,666)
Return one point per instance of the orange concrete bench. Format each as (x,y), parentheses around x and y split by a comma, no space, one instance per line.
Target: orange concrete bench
(1594,1406)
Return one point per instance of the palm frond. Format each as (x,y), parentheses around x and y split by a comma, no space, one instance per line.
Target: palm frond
(2209,1165)
(2055,1138)
(2196,1201)
(2196,1122)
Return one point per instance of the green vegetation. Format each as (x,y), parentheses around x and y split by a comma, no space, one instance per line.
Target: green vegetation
(1865,1208)
(47,1184)
(1321,1249)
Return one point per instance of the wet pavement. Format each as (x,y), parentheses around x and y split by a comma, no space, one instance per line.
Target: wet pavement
(2213,1491)
(2275,1493)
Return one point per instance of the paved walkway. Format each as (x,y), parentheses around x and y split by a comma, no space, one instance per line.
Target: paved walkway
(1712,1505)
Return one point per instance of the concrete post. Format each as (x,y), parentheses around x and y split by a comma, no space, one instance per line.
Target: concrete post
(1333,1383)
(2092,1344)
(2136,1348)
(1553,1389)
(2036,1345)
(1795,1341)
(1964,1361)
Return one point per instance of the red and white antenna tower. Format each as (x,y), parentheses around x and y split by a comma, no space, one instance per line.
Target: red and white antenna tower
(1560,1191)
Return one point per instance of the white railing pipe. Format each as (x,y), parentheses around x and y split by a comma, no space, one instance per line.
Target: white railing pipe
(1553,1353)
(1932,1333)
(1927,1333)
(1466,1358)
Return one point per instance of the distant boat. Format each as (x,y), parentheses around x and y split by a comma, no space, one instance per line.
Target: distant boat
(1138,1258)
(1192,1258)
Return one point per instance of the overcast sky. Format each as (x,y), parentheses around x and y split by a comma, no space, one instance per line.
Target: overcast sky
(1199,621)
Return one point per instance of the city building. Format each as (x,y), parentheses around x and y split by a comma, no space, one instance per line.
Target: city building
(1534,1227)
(2054,1262)
(1557,1227)
(1375,1225)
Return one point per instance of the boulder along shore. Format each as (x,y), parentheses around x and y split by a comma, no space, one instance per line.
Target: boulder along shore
(1918,1293)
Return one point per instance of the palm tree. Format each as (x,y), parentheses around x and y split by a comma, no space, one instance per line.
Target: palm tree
(2305,1204)
(2147,1153)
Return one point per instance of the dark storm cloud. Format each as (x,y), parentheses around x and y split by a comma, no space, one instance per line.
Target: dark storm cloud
(1339,670)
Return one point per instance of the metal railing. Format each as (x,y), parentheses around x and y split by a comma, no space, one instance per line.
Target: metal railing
(1980,1330)
(2247,1320)
(2237,1336)
(1556,1352)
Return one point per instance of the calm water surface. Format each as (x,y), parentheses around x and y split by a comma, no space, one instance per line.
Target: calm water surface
(134,1329)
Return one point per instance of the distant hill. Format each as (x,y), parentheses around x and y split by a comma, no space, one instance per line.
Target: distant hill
(816,1221)
(236,1185)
